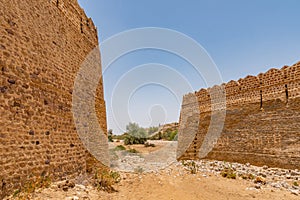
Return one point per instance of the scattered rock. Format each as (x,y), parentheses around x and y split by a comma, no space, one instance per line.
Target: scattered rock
(72,198)
(265,167)
(285,185)
(295,192)
(260,179)
(65,185)
(11,81)
(3,89)
(276,185)
(257,186)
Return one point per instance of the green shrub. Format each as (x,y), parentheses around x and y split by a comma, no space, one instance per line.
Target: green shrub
(295,184)
(147,144)
(120,148)
(132,151)
(129,140)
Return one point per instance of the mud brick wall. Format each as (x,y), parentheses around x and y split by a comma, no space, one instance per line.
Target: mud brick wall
(42,45)
(262,123)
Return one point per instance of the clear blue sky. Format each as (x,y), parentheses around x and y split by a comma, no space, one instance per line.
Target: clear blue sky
(242,37)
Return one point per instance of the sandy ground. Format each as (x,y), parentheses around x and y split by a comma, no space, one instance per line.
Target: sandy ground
(174,183)
(189,187)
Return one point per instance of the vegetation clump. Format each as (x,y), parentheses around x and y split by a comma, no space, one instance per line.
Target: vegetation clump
(31,186)
(120,148)
(295,184)
(132,151)
(135,134)
(191,166)
(105,179)
(248,176)
(110,135)
(147,144)
(228,172)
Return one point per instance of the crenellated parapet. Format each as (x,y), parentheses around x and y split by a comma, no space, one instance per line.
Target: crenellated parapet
(274,84)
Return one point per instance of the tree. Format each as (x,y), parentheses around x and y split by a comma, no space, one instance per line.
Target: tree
(152,130)
(136,134)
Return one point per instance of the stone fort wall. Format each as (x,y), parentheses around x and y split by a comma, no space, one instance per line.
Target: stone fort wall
(42,45)
(262,123)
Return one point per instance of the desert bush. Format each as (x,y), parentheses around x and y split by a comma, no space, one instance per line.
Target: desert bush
(228,173)
(295,184)
(105,179)
(191,166)
(132,151)
(147,144)
(29,187)
(247,176)
(119,148)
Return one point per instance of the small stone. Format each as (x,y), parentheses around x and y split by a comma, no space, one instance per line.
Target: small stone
(2,47)
(31,132)
(25,86)
(262,174)
(11,81)
(257,186)
(260,179)
(71,184)
(3,89)
(47,162)
(65,188)
(275,185)
(285,185)
(81,187)
(75,198)
(265,167)
(9,31)
(295,192)
(295,173)
(247,164)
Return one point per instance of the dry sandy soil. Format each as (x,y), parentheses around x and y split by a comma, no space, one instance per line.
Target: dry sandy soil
(173,183)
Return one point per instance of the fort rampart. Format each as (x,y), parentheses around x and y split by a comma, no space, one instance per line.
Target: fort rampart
(262,121)
(42,45)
